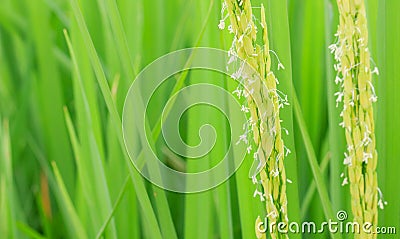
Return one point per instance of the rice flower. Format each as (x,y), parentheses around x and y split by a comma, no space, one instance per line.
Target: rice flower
(357,96)
(265,123)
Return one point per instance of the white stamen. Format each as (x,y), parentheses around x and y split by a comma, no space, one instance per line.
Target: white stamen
(221,25)
(345,181)
(249,149)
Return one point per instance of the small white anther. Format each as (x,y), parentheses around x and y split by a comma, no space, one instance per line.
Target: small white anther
(345,181)
(280,65)
(249,149)
(221,25)
(244,109)
(347,159)
(375,71)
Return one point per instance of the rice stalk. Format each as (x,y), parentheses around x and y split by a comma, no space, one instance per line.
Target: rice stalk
(264,122)
(357,95)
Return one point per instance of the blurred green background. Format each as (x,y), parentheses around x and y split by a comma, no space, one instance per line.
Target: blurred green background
(64,172)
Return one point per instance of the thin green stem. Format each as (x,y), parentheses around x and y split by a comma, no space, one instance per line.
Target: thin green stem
(312,158)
